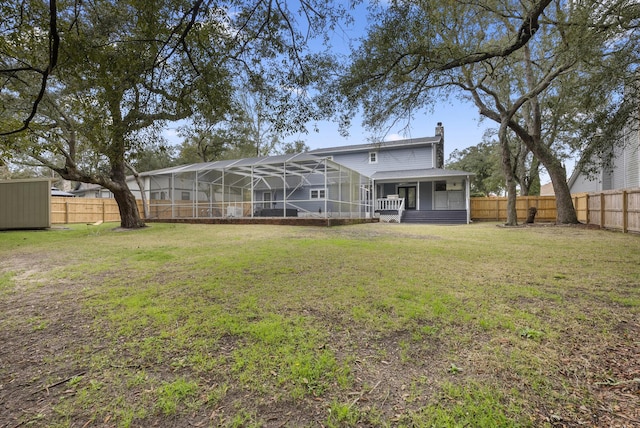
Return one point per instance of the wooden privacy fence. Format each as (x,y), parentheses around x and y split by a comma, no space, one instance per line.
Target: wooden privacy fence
(84,210)
(495,209)
(613,209)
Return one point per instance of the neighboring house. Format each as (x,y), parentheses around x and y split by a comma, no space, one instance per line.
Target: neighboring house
(397,180)
(410,170)
(547,190)
(623,173)
(57,192)
(87,190)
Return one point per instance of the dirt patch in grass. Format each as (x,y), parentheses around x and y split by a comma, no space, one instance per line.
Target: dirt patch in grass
(616,379)
(68,361)
(41,323)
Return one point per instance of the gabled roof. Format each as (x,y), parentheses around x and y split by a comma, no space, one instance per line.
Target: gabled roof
(411,142)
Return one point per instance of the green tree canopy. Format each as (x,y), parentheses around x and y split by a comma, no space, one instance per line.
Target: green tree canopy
(509,58)
(125,68)
(483,160)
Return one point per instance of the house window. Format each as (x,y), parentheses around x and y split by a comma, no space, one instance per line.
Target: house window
(441,186)
(318,194)
(186,196)
(373,157)
(266,200)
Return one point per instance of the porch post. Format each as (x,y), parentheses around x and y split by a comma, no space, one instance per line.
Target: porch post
(340,204)
(195,197)
(284,189)
(326,191)
(468,199)
(173,190)
(372,204)
(374,194)
(222,207)
(253,209)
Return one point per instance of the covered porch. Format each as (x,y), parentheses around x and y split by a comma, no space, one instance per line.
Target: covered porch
(422,196)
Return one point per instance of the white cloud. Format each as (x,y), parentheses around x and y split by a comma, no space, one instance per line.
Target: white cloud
(393,137)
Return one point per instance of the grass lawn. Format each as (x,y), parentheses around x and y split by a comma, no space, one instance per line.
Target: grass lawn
(271,326)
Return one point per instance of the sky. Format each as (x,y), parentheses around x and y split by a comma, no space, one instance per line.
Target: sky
(461,121)
(462,129)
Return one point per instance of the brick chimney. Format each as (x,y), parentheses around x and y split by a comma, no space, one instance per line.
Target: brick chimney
(439,147)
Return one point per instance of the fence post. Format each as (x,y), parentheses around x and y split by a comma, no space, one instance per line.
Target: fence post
(625,212)
(602,210)
(587,207)
(66,212)
(104,216)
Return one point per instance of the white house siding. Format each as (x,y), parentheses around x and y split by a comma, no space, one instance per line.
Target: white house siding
(584,185)
(624,172)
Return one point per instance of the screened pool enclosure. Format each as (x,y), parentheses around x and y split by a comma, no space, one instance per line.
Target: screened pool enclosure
(298,185)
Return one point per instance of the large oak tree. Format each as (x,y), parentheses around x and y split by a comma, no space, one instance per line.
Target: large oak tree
(505,56)
(125,68)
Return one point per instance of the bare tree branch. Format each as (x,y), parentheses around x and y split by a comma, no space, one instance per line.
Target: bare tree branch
(530,24)
(54,46)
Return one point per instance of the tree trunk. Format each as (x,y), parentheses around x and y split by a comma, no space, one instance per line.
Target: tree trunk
(143,193)
(507,169)
(565,211)
(129,213)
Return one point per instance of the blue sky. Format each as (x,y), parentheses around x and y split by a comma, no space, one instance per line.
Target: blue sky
(462,129)
(461,121)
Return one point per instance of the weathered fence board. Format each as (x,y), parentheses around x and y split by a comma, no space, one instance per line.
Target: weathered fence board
(614,209)
(495,209)
(85,210)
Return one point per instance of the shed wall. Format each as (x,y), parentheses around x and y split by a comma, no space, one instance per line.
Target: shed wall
(25,204)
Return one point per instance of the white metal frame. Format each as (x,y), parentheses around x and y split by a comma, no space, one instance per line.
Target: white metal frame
(230,188)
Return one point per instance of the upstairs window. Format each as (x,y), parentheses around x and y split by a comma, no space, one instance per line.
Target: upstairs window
(373,157)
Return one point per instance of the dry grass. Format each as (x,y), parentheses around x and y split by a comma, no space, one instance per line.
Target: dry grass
(368,325)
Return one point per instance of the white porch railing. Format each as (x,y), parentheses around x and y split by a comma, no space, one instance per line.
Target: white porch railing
(390,204)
